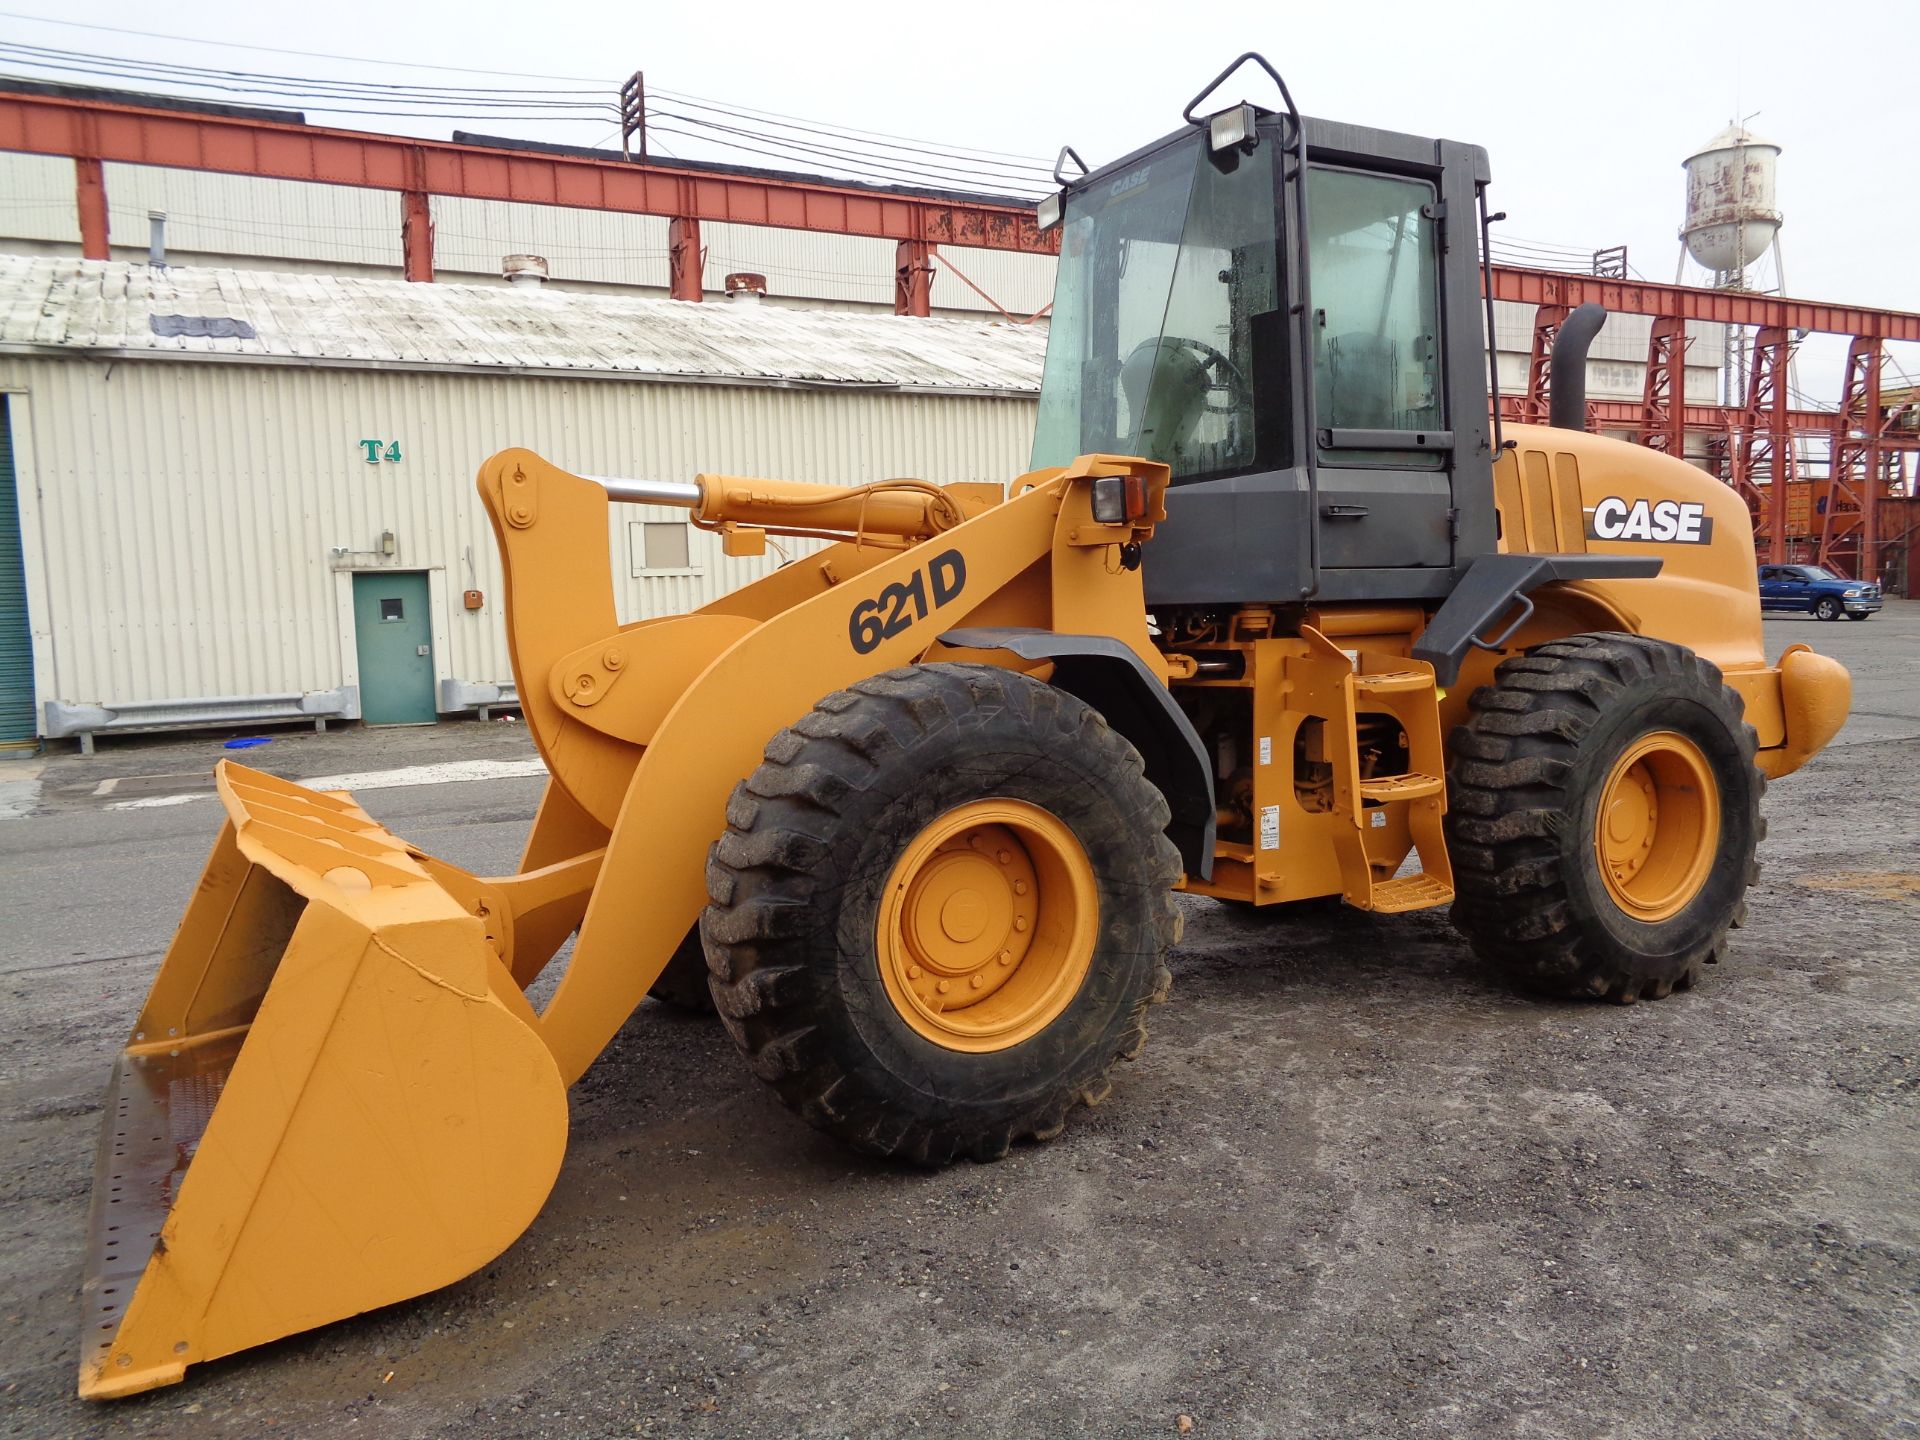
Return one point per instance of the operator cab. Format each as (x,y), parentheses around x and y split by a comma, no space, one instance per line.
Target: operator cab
(1306,357)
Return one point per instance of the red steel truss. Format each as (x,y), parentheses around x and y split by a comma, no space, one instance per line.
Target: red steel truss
(1664,397)
(1849,526)
(1750,446)
(1547,320)
(95,132)
(1685,302)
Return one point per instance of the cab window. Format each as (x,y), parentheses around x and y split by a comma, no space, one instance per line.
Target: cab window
(1374,264)
(1168,337)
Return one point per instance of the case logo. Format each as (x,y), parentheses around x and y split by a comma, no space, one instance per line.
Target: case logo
(1673,522)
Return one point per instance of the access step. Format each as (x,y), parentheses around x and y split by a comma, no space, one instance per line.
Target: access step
(1410,892)
(1412,786)
(1393,682)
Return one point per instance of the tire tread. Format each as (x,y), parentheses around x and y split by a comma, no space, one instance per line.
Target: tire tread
(1510,802)
(762,880)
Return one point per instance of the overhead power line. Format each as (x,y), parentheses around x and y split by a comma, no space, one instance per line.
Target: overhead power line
(313,94)
(1033,170)
(872,174)
(304,54)
(708,102)
(870,156)
(927,171)
(217,72)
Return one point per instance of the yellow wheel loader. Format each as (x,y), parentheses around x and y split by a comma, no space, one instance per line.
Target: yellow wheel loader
(1279,613)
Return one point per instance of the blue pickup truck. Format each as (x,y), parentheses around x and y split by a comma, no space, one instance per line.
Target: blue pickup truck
(1814,590)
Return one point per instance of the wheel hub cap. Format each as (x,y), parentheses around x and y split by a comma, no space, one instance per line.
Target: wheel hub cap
(1658,826)
(987,925)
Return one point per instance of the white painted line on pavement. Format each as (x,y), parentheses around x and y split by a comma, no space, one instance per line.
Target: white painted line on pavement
(450,772)
(107,787)
(159,802)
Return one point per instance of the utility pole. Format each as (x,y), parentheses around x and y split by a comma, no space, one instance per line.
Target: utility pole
(633,115)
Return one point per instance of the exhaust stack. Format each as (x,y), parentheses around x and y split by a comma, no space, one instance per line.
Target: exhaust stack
(1567,401)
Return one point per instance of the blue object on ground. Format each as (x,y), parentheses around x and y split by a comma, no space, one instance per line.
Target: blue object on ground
(248,742)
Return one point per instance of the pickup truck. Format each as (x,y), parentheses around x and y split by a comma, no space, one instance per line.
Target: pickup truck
(1814,590)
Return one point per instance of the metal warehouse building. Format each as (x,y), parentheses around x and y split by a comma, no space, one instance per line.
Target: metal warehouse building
(245,495)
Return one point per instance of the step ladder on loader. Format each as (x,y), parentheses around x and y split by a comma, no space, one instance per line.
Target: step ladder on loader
(1364,683)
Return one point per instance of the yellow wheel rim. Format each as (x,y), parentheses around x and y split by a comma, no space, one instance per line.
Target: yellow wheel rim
(1658,827)
(987,925)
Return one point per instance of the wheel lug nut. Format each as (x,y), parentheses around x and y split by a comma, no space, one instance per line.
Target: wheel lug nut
(1020,922)
(943,987)
(978,981)
(1019,887)
(1006,957)
(914,972)
(1006,857)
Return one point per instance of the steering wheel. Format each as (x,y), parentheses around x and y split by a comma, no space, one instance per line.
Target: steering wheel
(1227,375)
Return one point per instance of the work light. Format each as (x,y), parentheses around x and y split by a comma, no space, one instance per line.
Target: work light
(1233,127)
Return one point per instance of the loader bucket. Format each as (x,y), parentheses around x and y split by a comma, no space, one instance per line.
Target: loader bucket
(335,1097)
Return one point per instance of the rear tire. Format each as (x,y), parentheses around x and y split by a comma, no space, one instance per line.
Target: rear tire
(1827,608)
(867,803)
(683,984)
(1563,899)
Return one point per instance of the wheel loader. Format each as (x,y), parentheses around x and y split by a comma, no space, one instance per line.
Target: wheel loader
(1281,612)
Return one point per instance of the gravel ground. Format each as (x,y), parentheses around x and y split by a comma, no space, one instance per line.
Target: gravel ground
(1349,1189)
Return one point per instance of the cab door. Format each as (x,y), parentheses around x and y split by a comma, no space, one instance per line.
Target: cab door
(1384,448)
(1769,587)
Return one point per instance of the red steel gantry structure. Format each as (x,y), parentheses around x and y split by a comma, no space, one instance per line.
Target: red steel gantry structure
(1752,444)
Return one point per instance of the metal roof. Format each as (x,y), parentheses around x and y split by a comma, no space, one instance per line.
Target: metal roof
(57,305)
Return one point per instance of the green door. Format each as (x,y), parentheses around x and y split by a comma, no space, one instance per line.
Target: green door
(16,643)
(395,642)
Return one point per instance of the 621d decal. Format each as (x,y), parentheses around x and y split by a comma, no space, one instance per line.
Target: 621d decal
(905,601)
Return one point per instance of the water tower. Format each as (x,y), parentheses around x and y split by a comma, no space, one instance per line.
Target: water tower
(1732,224)
(1732,220)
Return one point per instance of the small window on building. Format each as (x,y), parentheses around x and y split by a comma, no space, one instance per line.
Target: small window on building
(661,547)
(390,609)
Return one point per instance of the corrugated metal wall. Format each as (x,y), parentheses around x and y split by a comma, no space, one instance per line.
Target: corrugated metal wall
(237,215)
(197,519)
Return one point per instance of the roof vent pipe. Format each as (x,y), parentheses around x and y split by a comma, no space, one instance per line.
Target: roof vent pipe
(746,288)
(1567,394)
(527,270)
(157,239)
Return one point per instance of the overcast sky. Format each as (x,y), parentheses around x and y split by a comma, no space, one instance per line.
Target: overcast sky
(1587,110)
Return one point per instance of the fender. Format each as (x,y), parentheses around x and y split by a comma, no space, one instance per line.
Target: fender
(1491,586)
(1111,678)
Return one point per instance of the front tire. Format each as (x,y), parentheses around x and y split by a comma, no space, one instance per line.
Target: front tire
(1827,608)
(1604,809)
(1859,614)
(940,911)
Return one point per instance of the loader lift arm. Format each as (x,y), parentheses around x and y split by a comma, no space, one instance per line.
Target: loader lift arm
(681,755)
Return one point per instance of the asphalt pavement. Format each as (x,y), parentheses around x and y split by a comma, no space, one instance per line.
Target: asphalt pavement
(1350,1188)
